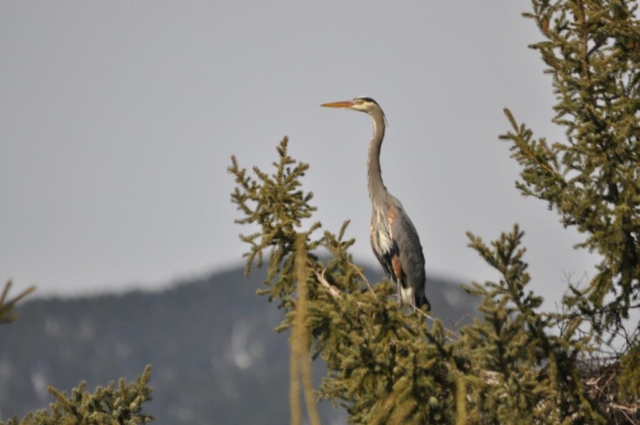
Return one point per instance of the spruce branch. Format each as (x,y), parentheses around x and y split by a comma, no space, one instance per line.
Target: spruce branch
(300,359)
(277,204)
(515,343)
(6,306)
(107,405)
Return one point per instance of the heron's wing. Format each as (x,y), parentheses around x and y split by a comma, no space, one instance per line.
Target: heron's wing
(409,249)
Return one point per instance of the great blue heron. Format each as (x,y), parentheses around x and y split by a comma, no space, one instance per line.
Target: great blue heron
(394,239)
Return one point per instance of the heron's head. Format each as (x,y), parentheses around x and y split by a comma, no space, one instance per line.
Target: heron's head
(362,104)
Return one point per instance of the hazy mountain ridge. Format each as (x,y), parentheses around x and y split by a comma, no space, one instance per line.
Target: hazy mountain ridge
(215,356)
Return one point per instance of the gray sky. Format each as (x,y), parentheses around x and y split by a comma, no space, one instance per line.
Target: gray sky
(117,121)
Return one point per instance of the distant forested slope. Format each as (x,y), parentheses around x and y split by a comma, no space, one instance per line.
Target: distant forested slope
(210,341)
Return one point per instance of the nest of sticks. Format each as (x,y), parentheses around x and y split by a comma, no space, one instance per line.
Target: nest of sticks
(601,378)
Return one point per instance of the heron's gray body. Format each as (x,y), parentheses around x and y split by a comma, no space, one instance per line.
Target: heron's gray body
(394,239)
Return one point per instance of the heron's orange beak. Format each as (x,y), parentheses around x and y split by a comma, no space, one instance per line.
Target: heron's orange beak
(347,104)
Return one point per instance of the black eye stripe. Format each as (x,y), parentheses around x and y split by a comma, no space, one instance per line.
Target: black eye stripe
(368,99)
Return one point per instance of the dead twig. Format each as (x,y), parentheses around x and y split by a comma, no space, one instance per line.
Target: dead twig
(366,281)
(335,292)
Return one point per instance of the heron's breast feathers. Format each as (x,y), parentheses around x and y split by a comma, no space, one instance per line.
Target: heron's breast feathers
(383,243)
(381,236)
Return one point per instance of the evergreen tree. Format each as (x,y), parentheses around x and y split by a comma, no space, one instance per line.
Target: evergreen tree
(592,51)
(515,363)
(106,406)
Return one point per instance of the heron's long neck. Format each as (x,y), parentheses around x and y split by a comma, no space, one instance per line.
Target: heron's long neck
(377,190)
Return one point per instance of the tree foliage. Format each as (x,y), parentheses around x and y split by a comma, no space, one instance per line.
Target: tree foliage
(592,50)
(7,305)
(516,363)
(107,406)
